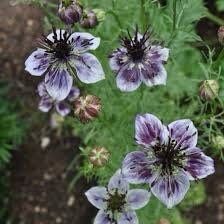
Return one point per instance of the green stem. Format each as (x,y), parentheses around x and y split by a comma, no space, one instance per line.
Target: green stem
(214,18)
(174,14)
(143,16)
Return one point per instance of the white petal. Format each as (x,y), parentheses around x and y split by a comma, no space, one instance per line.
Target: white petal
(84,41)
(102,218)
(129,217)
(128,78)
(184,132)
(158,77)
(58,83)
(149,129)
(88,68)
(97,196)
(117,182)
(137,198)
(171,189)
(37,63)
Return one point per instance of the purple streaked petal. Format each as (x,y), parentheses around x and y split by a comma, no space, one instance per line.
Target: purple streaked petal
(58,83)
(117,182)
(45,104)
(62,108)
(37,63)
(74,94)
(184,132)
(41,89)
(103,218)
(128,78)
(158,54)
(149,130)
(171,189)
(83,42)
(198,165)
(88,68)
(137,168)
(117,59)
(97,197)
(128,217)
(137,198)
(154,74)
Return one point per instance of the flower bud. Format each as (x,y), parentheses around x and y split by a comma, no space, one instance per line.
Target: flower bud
(99,156)
(221,34)
(218,142)
(70,11)
(100,14)
(209,90)
(89,20)
(86,108)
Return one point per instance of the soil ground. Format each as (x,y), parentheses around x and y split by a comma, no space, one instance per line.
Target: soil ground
(39,178)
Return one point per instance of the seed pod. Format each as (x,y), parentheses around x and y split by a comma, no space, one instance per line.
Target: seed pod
(221,34)
(71,12)
(86,108)
(99,156)
(209,90)
(218,142)
(89,20)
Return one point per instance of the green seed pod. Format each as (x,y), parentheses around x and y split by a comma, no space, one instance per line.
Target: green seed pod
(218,142)
(209,90)
(99,156)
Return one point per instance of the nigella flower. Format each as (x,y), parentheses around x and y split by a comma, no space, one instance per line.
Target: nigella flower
(137,61)
(117,203)
(169,159)
(61,53)
(61,106)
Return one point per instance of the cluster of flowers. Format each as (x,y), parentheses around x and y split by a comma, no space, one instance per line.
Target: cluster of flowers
(168,159)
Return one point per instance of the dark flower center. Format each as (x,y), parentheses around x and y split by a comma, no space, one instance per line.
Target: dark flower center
(170,156)
(136,46)
(60,46)
(116,202)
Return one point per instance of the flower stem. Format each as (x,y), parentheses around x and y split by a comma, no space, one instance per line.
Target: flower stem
(174,14)
(214,18)
(143,16)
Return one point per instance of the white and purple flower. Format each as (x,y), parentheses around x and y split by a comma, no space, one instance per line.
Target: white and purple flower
(117,203)
(137,61)
(61,54)
(169,158)
(62,106)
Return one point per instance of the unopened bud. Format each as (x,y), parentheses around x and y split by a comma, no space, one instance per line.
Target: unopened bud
(86,108)
(70,11)
(209,90)
(99,156)
(221,34)
(218,142)
(100,14)
(89,20)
